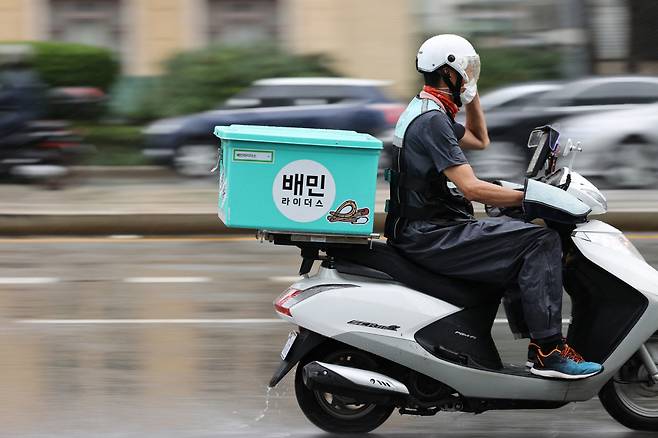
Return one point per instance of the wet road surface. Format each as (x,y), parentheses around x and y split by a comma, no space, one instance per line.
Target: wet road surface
(177,338)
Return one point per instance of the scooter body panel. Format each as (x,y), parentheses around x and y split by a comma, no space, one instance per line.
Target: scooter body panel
(384,303)
(613,255)
(470,382)
(377,307)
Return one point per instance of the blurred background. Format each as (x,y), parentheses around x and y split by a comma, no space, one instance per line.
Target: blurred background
(143,82)
(106,116)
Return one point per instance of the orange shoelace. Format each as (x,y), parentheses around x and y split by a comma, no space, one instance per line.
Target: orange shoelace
(572,354)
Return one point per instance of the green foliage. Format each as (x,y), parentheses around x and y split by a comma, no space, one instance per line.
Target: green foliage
(202,79)
(116,145)
(504,66)
(67,64)
(136,98)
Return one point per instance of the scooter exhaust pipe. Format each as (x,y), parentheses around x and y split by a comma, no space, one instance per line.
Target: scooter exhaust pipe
(361,384)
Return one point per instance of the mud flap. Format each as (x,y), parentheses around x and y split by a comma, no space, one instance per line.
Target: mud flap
(304,344)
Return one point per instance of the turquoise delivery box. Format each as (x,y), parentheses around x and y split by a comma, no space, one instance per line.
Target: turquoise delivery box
(297,179)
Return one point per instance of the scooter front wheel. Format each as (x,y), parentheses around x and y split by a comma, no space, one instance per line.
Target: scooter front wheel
(336,413)
(631,398)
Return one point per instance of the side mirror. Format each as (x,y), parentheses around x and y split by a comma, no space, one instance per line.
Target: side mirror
(535,138)
(570,147)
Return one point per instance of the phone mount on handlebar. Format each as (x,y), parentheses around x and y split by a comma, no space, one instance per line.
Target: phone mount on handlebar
(544,140)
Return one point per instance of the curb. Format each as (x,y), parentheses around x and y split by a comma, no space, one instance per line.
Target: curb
(208,224)
(107,224)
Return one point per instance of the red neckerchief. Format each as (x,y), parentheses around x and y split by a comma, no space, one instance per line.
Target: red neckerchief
(447,103)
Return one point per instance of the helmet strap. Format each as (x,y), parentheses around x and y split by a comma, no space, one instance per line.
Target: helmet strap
(455,89)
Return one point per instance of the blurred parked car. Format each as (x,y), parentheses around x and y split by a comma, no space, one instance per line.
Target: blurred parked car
(77,103)
(620,147)
(188,144)
(509,127)
(515,96)
(505,160)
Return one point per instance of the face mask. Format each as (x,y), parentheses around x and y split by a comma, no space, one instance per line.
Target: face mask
(465,96)
(472,70)
(469,92)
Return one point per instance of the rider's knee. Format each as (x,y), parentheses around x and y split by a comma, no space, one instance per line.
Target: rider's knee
(549,240)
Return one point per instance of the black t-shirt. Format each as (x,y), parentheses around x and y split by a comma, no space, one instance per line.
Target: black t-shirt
(431,145)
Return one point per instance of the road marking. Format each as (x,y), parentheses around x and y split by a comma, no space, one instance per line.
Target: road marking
(634,236)
(286,279)
(28,280)
(167,280)
(150,321)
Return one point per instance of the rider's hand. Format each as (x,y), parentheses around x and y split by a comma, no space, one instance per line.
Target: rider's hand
(476,135)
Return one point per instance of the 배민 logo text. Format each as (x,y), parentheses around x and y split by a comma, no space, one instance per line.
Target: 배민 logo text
(304,191)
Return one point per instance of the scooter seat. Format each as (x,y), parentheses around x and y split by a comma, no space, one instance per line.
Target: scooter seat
(385,261)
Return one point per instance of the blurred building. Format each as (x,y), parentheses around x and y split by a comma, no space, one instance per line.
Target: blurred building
(364,38)
(368,38)
(596,36)
(634,50)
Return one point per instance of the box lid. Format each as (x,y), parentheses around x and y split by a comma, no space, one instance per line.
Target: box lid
(306,136)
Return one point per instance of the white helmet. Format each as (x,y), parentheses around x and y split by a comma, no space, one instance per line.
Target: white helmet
(456,52)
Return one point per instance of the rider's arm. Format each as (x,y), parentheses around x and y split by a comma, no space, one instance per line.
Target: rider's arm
(476,135)
(437,135)
(477,190)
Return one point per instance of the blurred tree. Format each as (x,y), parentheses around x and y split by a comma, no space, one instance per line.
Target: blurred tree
(135,98)
(507,65)
(67,64)
(201,79)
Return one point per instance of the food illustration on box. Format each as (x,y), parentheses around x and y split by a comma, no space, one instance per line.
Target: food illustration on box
(349,212)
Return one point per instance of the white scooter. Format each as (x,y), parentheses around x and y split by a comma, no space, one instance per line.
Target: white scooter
(377,332)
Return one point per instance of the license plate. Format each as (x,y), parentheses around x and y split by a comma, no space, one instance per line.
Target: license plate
(286,348)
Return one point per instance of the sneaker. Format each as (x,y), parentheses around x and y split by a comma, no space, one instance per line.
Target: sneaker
(532,354)
(563,363)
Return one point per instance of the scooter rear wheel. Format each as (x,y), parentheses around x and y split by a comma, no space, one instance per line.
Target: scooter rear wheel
(630,399)
(336,413)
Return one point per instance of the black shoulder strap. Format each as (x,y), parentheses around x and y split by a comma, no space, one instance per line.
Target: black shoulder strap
(400,182)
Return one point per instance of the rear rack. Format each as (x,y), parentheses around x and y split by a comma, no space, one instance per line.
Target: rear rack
(311,244)
(293,238)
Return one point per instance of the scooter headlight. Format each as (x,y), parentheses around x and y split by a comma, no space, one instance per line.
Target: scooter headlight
(612,240)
